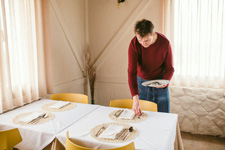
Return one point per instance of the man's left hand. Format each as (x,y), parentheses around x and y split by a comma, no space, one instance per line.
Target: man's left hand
(162,86)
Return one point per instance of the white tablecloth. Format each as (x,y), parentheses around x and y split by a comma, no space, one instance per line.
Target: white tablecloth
(36,137)
(158,132)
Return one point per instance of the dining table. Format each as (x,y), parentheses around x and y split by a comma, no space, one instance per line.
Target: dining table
(38,136)
(158,131)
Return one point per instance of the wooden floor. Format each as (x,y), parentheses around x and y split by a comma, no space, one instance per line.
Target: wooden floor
(202,142)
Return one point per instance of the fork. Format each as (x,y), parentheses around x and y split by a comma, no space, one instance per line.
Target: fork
(119,113)
(103,127)
(39,118)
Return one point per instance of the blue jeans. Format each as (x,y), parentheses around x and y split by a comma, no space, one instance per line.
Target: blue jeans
(160,96)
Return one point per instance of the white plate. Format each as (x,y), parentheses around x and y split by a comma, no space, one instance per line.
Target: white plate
(155,83)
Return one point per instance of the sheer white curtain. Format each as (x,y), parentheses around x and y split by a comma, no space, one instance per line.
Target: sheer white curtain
(23,74)
(196,29)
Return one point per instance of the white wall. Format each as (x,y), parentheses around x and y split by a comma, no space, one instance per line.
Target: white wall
(111,30)
(67,19)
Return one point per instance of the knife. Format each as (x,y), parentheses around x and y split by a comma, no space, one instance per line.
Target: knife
(121,134)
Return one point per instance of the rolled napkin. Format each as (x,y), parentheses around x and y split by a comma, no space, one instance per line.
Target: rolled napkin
(59,105)
(31,117)
(127,114)
(111,131)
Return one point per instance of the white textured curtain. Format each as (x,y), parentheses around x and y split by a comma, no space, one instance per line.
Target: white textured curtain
(196,29)
(24,50)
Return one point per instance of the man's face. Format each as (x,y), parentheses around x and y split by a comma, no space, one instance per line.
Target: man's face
(145,41)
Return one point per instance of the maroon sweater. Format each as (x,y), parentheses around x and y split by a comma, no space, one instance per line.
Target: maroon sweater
(154,62)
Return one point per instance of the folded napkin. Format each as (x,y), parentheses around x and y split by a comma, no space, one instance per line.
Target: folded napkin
(127,114)
(59,105)
(111,131)
(31,117)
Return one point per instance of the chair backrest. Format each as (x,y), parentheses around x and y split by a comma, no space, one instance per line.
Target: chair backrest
(9,138)
(72,146)
(72,97)
(126,147)
(128,103)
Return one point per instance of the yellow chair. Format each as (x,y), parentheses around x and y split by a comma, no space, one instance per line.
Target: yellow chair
(72,146)
(9,138)
(128,103)
(126,147)
(72,97)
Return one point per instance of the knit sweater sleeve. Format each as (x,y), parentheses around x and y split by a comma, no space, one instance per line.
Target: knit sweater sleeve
(169,69)
(132,68)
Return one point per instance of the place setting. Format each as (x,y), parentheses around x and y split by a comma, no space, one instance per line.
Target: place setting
(33,118)
(114,132)
(127,116)
(58,106)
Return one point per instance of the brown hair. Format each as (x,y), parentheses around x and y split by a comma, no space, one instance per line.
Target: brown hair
(143,27)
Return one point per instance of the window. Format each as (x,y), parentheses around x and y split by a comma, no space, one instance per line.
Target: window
(22,66)
(199,47)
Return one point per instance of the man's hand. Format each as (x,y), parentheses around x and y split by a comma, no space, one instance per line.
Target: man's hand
(136,106)
(162,86)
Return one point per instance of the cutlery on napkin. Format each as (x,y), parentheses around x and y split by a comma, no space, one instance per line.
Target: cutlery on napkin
(111,131)
(129,130)
(127,114)
(102,128)
(31,117)
(118,113)
(59,105)
(45,115)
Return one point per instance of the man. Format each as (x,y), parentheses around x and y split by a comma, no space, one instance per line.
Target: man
(149,58)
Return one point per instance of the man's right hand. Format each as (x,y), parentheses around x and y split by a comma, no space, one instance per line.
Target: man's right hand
(136,106)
